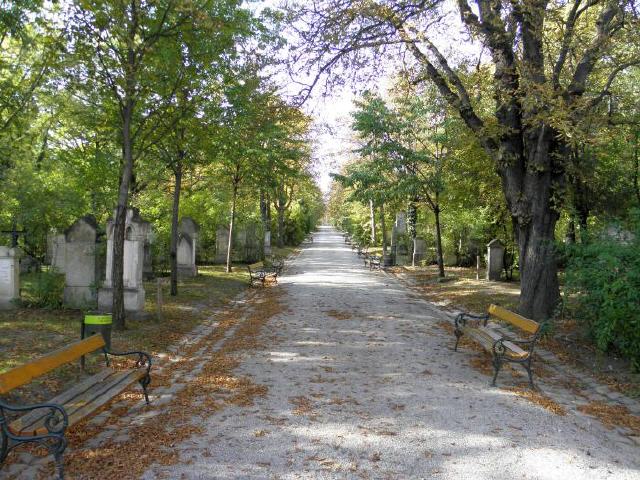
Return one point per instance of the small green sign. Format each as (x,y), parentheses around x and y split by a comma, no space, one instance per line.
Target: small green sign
(97,319)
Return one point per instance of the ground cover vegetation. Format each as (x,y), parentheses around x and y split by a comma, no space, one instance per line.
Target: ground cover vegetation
(524,129)
(169,107)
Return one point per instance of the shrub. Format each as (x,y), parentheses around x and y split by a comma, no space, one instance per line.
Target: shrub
(603,286)
(45,291)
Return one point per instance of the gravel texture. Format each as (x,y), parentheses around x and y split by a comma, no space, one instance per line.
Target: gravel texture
(363,383)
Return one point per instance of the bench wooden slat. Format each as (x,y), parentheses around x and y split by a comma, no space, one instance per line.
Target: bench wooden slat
(34,416)
(518,320)
(487,337)
(23,374)
(84,402)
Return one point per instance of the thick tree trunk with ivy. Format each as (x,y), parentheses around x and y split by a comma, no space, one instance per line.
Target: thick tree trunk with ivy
(439,254)
(383,224)
(532,99)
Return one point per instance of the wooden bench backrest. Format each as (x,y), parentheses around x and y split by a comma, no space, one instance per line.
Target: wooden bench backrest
(514,319)
(25,373)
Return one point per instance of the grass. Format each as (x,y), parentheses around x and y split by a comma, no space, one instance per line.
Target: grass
(461,290)
(26,333)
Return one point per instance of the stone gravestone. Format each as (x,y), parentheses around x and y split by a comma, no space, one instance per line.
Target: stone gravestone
(252,244)
(56,251)
(399,248)
(9,276)
(419,250)
(187,241)
(80,263)
(495,259)
(267,243)
(239,253)
(222,244)
(137,233)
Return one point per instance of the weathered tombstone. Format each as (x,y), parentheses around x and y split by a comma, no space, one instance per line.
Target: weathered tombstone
(9,276)
(419,250)
(56,251)
(267,243)
(137,232)
(187,241)
(222,244)
(239,252)
(80,263)
(399,247)
(495,259)
(252,244)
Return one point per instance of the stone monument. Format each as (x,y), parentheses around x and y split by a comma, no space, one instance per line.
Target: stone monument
(419,250)
(267,243)
(187,241)
(9,276)
(399,248)
(222,244)
(495,259)
(80,263)
(137,233)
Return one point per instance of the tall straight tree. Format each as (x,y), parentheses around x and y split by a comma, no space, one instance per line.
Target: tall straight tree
(116,46)
(541,88)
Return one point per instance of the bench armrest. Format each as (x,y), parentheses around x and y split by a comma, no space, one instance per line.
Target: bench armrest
(461,319)
(56,421)
(144,359)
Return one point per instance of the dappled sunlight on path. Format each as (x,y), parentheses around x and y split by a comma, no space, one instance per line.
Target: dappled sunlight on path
(363,383)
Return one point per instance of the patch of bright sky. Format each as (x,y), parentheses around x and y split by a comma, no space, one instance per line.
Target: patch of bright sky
(333,139)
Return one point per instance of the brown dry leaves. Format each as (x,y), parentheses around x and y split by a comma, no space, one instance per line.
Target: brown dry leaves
(539,399)
(214,387)
(612,415)
(339,315)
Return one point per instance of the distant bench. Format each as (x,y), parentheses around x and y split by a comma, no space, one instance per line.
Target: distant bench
(46,423)
(502,348)
(261,275)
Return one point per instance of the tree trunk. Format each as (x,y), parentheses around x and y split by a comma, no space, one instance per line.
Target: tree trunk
(117,273)
(372,215)
(436,212)
(384,230)
(280,209)
(174,225)
(571,230)
(233,216)
(265,213)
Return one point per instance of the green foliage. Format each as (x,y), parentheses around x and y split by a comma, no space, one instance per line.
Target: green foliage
(603,287)
(44,290)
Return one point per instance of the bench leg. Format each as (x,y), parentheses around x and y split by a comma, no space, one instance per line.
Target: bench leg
(144,383)
(458,334)
(57,450)
(497,364)
(527,367)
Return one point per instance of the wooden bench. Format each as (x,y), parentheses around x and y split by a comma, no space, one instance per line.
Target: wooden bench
(46,423)
(260,276)
(375,262)
(502,348)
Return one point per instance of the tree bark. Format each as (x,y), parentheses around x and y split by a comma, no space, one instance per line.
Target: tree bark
(175,212)
(118,312)
(384,230)
(372,215)
(233,216)
(280,209)
(265,213)
(436,213)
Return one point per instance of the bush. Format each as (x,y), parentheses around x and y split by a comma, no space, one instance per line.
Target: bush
(46,290)
(603,283)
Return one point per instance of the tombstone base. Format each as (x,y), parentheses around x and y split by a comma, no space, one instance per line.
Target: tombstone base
(133,299)
(7,303)
(79,297)
(187,271)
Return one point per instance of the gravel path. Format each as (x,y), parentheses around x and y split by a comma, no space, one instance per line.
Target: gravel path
(363,383)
